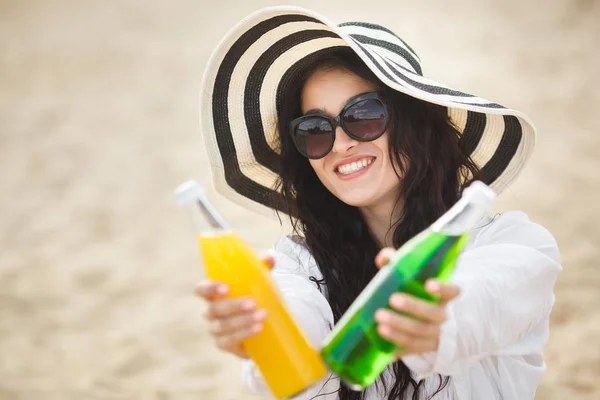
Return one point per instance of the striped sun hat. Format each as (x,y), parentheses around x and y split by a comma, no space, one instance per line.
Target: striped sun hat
(258,58)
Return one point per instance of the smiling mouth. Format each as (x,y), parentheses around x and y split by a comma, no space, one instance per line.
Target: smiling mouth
(347,169)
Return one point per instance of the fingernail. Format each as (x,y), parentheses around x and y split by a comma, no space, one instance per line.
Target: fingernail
(382,316)
(434,286)
(248,305)
(222,289)
(256,328)
(384,330)
(397,301)
(259,315)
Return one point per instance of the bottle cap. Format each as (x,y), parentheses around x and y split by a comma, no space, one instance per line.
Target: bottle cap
(189,192)
(480,194)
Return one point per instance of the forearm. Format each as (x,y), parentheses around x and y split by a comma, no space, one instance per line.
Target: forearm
(506,291)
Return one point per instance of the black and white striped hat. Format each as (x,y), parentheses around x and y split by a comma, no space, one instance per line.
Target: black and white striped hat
(264,52)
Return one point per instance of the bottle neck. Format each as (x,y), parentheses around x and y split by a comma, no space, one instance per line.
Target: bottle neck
(204,224)
(206,219)
(460,219)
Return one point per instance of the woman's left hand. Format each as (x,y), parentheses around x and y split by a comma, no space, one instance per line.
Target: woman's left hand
(420,335)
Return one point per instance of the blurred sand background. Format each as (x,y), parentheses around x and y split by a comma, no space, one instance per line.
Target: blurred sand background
(99,123)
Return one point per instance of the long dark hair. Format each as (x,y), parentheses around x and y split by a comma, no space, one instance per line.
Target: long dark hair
(431,165)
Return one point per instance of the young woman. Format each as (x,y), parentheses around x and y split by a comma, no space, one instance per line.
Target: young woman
(336,127)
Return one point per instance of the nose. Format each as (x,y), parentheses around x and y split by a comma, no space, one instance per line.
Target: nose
(342,142)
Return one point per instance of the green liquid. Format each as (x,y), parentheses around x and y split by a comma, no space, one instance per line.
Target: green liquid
(354,350)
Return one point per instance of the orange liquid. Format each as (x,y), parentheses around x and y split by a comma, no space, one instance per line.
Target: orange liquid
(286,359)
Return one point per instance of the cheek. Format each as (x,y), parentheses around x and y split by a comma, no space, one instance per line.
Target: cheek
(382,143)
(383,147)
(391,165)
(317,166)
(393,171)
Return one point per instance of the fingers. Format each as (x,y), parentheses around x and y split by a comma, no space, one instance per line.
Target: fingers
(429,312)
(228,326)
(383,257)
(447,292)
(232,341)
(229,307)
(232,320)
(410,344)
(210,289)
(407,325)
(268,260)
(418,330)
(413,323)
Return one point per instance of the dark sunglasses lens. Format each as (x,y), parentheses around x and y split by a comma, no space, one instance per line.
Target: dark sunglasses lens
(366,119)
(314,137)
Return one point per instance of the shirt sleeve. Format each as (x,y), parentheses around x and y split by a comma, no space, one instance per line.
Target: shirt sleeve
(293,269)
(507,282)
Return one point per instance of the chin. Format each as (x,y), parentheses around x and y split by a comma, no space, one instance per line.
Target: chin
(357,201)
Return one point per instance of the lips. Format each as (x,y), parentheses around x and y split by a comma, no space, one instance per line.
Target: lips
(354,167)
(354,159)
(352,164)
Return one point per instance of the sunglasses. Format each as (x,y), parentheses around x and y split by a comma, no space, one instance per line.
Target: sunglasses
(364,118)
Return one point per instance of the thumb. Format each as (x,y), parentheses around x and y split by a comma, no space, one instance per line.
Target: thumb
(268,260)
(383,257)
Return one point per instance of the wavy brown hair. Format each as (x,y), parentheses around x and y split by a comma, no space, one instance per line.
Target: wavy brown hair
(430,163)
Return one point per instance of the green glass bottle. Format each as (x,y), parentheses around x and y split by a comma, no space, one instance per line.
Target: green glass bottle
(354,351)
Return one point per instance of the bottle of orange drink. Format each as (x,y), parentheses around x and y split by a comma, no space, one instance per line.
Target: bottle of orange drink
(283,354)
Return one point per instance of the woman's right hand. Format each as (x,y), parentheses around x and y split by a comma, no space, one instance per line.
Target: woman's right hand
(232,320)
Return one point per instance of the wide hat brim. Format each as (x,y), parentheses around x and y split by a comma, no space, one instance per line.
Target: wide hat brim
(256,60)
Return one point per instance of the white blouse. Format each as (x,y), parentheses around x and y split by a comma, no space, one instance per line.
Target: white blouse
(491,344)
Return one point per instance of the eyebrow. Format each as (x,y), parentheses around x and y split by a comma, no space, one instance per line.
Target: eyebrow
(315,111)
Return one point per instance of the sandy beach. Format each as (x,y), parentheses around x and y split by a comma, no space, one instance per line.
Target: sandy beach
(99,124)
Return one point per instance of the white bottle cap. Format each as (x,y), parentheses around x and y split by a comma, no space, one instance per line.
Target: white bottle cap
(189,192)
(480,194)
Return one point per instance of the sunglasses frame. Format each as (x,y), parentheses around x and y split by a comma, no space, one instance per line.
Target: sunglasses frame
(338,121)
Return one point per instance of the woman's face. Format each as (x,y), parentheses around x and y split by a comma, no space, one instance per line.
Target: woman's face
(376,185)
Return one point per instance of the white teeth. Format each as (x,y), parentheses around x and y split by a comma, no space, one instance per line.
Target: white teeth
(354,166)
